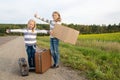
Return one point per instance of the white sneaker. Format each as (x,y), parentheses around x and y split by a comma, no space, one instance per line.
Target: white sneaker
(31,67)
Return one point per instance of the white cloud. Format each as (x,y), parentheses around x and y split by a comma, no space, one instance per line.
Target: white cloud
(72,11)
(92,11)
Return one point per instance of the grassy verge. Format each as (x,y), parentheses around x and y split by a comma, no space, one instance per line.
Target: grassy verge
(97,57)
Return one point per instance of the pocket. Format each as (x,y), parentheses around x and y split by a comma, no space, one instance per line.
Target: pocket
(26,47)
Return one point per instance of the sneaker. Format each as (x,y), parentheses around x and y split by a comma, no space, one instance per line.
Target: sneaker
(53,66)
(32,69)
(57,66)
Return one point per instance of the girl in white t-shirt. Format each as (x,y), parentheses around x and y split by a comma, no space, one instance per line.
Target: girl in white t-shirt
(54,42)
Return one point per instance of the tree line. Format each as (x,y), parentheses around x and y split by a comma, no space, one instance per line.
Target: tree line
(84,29)
(95,29)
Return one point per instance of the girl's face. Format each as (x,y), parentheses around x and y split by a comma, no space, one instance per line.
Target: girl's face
(31,24)
(55,16)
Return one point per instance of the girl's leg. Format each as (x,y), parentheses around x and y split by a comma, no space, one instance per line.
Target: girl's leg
(52,49)
(56,51)
(33,55)
(28,50)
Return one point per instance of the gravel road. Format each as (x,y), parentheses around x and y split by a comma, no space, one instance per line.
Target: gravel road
(11,48)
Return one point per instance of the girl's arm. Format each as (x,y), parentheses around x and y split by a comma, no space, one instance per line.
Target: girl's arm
(42,31)
(15,30)
(45,20)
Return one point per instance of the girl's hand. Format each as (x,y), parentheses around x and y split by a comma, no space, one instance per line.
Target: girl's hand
(36,16)
(7,30)
(51,32)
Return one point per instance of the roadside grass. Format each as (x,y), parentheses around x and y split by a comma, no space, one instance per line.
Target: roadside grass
(111,37)
(97,57)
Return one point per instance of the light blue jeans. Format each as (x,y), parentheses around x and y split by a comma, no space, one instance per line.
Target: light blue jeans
(54,44)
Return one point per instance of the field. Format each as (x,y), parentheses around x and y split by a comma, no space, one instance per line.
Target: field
(95,55)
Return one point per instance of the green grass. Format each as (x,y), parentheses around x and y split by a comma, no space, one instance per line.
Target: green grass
(112,37)
(96,55)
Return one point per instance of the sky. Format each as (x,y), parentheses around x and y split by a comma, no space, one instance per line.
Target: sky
(84,12)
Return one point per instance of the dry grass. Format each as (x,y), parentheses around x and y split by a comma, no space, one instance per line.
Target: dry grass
(104,45)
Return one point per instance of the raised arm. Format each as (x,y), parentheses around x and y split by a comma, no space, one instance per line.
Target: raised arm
(43,31)
(43,19)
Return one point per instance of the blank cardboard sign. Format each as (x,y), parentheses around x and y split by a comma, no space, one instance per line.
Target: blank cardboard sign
(65,34)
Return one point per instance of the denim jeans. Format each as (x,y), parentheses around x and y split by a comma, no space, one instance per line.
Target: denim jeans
(31,55)
(54,44)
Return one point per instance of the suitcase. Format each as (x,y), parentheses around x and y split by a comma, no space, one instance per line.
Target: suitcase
(24,70)
(43,60)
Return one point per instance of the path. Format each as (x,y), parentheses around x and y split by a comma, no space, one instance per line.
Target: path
(9,69)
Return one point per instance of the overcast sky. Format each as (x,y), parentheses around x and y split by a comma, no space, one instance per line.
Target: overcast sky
(72,11)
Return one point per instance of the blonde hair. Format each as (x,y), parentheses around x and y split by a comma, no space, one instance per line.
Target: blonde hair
(31,20)
(59,17)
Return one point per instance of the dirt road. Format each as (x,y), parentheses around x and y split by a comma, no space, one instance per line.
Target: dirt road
(9,70)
